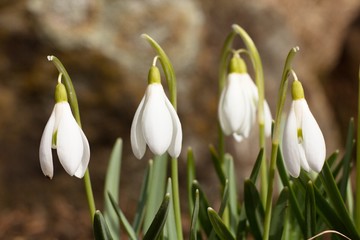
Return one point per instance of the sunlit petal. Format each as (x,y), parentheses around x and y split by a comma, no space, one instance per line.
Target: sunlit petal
(156,121)
(223,119)
(176,141)
(314,143)
(85,158)
(138,143)
(69,141)
(267,119)
(290,145)
(45,155)
(233,104)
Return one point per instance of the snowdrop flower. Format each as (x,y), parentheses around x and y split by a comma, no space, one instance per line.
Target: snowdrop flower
(63,134)
(238,103)
(156,122)
(303,142)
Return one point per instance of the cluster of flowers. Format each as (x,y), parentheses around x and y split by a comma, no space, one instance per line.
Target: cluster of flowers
(157,125)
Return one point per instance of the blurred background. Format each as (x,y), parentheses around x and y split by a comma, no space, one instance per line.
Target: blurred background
(99,43)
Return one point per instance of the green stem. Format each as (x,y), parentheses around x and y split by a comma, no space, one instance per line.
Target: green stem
(357,192)
(75,110)
(176,197)
(259,79)
(171,81)
(276,139)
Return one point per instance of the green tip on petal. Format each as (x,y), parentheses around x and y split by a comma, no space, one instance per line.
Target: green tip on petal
(60,93)
(237,65)
(154,75)
(297,90)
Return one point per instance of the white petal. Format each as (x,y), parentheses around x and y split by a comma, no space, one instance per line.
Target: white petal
(156,121)
(45,155)
(267,119)
(85,158)
(223,119)
(176,141)
(69,141)
(238,137)
(314,143)
(232,108)
(290,145)
(138,143)
(249,102)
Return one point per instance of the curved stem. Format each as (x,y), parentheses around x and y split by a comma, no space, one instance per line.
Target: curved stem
(276,139)
(75,110)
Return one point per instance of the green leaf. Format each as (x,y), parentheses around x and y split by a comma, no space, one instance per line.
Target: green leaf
(159,220)
(256,168)
(170,225)
(194,217)
(310,211)
(254,209)
(279,214)
(112,182)
(101,230)
(217,165)
(219,227)
(337,201)
(156,189)
(121,217)
(140,210)
(233,201)
(203,206)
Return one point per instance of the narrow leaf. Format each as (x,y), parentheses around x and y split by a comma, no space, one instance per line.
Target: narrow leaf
(120,215)
(336,200)
(256,168)
(112,182)
(254,209)
(233,201)
(279,214)
(310,211)
(170,225)
(194,217)
(217,165)
(140,210)
(203,206)
(158,223)
(156,189)
(101,230)
(219,227)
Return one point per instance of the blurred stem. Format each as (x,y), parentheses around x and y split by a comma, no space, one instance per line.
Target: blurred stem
(171,82)
(259,79)
(357,186)
(75,110)
(276,139)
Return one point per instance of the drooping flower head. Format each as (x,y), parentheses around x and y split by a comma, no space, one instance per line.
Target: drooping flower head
(303,142)
(156,122)
(238,102)
(63,134)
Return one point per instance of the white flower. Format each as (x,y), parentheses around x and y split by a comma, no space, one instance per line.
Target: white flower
(238,106)
(156,124)
(64,134)
(303,142)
